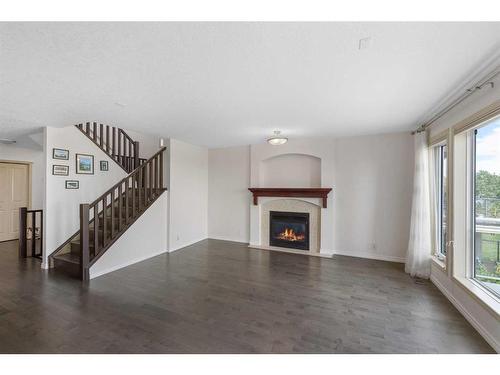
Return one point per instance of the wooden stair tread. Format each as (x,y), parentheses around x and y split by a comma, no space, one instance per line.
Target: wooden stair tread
(68,257)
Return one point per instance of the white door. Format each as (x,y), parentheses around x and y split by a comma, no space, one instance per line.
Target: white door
(14,193)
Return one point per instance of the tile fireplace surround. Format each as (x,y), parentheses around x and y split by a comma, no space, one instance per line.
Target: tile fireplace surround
(293,205)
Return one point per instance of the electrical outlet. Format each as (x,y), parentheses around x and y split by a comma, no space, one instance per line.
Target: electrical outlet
(374,246)
(178,237)
(364,43)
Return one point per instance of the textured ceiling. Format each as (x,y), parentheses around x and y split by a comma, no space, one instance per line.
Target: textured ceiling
(223,84)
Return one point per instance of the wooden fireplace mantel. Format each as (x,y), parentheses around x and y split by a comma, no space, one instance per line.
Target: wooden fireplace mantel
(290,192)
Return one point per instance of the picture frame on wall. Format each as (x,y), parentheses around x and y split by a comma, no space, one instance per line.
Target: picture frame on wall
(84,164)
(60,170)
(60,154)
(72,184)
(104,166)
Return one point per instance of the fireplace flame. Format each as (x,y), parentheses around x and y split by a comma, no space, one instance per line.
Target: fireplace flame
(289,235)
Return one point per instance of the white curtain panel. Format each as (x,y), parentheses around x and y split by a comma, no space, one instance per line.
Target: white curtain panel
(418,258)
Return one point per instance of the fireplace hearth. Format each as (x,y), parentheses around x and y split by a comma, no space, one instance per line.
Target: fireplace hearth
(289,229)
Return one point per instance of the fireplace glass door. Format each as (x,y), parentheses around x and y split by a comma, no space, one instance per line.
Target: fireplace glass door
(289,229)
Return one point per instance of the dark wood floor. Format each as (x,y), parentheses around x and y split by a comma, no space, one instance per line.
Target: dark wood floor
(221,297)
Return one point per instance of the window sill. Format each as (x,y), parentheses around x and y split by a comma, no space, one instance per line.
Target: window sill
(441,264)
(486,298)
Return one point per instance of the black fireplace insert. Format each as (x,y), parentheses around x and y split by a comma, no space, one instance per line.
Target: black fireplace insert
(289,229)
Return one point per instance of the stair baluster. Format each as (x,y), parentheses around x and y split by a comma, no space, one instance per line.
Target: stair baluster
(115,142)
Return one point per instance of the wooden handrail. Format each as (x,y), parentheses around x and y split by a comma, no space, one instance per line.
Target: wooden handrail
(135,171)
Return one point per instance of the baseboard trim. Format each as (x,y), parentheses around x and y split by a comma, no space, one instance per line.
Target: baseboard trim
(227,239)
(467,315)
(387,258)
(289,251)
(123,265)
(186,245)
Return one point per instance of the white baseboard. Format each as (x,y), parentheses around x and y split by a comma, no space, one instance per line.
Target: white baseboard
(467,315)
(328,253)
(126,264)
(290,251)
(375,256)
(186,245)
(239,240)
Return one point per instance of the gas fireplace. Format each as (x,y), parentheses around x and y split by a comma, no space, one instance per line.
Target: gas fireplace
(289,229)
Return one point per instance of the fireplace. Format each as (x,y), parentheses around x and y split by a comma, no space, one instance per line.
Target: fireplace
(289,229)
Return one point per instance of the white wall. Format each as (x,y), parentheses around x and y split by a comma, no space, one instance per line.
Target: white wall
(188,198)
(146,238)
(62,205)
(148,144)
(373,193)
(29,148)
(229,198)
(290,170)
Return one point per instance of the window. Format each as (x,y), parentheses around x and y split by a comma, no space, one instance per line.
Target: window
(486,205)
(441,201)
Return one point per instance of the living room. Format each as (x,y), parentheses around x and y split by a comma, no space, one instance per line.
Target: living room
(249,187)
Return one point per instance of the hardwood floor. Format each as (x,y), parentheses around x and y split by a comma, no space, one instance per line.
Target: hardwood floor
(222,297)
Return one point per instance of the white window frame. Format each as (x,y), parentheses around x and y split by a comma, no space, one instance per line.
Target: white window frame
(437,207)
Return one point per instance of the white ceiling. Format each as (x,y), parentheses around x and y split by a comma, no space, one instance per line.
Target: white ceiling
(223,84)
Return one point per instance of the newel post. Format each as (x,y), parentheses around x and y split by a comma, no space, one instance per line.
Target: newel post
(162,185)
(23,215)
(84,242)
(136,154)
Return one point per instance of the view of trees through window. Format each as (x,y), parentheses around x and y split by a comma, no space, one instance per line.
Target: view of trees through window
(487,206)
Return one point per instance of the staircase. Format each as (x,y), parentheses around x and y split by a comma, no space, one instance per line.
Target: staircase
(115,142)
(103,221)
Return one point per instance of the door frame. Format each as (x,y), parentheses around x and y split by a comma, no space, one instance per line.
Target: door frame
(30,167)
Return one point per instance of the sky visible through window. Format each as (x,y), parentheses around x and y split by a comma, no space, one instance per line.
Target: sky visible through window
(488,148)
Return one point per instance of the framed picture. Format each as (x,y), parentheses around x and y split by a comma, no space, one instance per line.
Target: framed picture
(72,184)
(84,164)
(60,170)
(104,165)
(59,153)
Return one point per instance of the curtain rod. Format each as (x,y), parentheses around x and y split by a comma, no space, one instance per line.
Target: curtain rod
(487,81)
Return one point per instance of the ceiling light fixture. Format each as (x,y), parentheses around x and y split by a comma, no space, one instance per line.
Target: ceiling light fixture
(7,141)
(277,139)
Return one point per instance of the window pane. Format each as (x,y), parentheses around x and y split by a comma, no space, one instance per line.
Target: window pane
(441,206)
(444,199)
(487,206)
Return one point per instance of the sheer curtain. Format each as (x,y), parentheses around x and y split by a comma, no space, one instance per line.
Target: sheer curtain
(418,258)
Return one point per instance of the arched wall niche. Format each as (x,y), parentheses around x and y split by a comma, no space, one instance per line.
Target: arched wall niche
(290,171)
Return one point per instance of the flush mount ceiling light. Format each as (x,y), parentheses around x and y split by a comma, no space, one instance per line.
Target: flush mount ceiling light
(7,141)
(277,139)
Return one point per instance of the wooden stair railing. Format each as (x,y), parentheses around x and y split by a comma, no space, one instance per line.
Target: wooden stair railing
(103,221)
(115,142)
